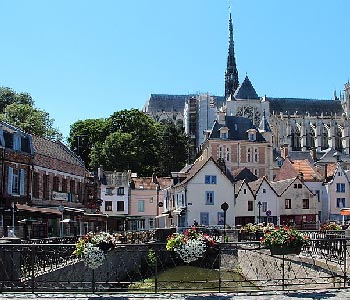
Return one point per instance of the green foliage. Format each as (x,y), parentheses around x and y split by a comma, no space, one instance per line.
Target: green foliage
(151,258)
(130,140)
(284,236)
(330,226)
(30,120)
(9,96)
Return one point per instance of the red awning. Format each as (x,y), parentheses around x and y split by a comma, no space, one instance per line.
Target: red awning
(345,211)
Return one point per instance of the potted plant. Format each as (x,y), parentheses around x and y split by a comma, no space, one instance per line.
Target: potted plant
(190,245)
(284,240)
(93,247)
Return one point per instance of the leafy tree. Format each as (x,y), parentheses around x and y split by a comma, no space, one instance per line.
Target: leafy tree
(9,96)
(174,145)
(84,134)
(30,120)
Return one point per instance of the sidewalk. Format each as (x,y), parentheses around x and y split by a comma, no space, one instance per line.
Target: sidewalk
(321,295)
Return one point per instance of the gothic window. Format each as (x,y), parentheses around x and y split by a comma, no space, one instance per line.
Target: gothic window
(310,138)
(324,138)
(296,138)
(338,139)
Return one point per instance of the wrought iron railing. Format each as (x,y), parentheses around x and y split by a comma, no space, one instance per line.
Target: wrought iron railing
(148,267)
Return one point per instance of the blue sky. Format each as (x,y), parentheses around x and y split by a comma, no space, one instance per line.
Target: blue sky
(87,59)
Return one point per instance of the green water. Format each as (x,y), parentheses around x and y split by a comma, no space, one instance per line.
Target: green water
(183,278)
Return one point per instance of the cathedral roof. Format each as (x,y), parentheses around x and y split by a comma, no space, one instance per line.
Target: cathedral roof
(245,90)
(172,103)
(264,125)
(305,106)
(237,129)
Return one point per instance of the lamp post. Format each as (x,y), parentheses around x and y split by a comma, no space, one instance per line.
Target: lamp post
(13,218)
(224,207)
(61,209)
(259,205)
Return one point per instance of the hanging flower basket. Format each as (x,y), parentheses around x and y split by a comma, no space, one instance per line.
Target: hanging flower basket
(284,240)
(190,245)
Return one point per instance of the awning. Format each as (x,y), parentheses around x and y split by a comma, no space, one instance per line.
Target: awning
(67,221)
(345,211)
(33,209)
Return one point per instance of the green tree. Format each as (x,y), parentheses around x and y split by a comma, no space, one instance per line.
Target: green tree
(30,120)
(173,148)
(9,96)
(85,134)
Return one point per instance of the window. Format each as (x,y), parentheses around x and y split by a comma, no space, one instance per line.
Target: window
(64,185)
(224,135)
(251,136)
(56,184)
(72,186)
(264,191)
(220,152)
(109,191)
(210,179)
(244,191)
(16,181)
(141,206)
(209,198)
(317,192)
(204,218)
(288,204)
(305,203)
(264,206)
(151,223)
(256,156)
(248,155)
(340,202)
(250,205)
(279,162)
(120,191)
(45,186)
(16,142)
(108,205)
(340,187)
(120,205)
(220,218)
(298,186)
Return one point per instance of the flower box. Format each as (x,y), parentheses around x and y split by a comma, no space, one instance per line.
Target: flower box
(284,250)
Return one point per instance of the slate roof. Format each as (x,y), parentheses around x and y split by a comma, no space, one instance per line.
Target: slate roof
(172,103)
(304,106)
(147,182)
(56,150)
(238,127)
(282,185)
(264,124)
(332,156)
(245,90)
(243,173)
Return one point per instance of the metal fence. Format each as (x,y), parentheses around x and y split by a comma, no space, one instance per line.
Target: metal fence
(148,267)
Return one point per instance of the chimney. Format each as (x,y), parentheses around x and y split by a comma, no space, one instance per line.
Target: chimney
(284,151)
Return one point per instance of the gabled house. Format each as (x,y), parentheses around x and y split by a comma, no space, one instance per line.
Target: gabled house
(245,205)
(338,190)
(200,195)
(297,204)
(266,201)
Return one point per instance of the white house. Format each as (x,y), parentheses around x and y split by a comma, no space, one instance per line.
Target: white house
(201,194)
(244,204)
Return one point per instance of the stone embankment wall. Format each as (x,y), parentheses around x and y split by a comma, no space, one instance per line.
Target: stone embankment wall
(298,271)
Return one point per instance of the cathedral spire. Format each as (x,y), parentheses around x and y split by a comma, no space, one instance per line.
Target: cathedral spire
(231,73)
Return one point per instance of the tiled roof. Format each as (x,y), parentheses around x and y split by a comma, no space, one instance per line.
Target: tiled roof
(146,183)
(291,169)
(238,127)
(245,91)
(304,106)
(56,150)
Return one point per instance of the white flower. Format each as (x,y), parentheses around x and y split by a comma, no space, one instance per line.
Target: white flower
(191,250)
(93,256)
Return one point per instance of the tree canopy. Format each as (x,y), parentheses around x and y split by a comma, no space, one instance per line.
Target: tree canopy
(18,109)
(130,140)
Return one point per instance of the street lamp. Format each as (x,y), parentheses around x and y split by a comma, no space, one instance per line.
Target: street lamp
(224,207)
(259,205)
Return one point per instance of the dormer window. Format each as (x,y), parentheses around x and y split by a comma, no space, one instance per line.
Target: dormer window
(251,134)
(16,142)
(224,133)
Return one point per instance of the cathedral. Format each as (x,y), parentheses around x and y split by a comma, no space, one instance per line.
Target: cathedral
(298,125)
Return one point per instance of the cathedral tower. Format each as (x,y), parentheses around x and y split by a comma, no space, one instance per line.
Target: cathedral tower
(231,73)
